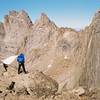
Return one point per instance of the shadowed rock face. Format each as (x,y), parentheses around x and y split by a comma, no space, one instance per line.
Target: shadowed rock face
(68,56)
(2,31)
(2,35)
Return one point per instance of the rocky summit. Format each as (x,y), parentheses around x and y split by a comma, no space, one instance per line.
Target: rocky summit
(62,63)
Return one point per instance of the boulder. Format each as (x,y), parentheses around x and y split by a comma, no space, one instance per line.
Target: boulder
(35,84)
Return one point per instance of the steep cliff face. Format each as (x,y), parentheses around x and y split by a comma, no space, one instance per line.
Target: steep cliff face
(17,26)
(41,33)
(2,31)
(91,67)
(2,35)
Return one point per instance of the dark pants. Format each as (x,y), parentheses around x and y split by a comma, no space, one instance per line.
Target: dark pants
(5,66)
(19,68)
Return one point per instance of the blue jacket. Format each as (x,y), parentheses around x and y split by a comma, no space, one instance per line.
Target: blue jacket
(21,58)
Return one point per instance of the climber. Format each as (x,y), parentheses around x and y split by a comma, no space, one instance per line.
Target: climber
(5,66)
(21,61)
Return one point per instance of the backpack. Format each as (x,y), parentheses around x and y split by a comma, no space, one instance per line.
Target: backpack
(21,58)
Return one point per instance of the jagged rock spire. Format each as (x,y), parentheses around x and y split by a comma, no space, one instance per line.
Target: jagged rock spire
(44,18)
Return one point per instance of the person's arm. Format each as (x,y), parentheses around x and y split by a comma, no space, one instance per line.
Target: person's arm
(18,58)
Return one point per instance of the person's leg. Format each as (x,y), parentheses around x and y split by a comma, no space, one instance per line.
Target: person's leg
(19,68)
(5,66)
(23,67)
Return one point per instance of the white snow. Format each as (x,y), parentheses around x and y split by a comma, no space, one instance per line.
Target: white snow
(65,57)
(49,66)
(9,60)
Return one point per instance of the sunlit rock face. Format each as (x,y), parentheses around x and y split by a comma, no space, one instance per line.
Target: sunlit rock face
(17,26)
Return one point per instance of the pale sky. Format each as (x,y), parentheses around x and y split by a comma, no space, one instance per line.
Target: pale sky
(65,13)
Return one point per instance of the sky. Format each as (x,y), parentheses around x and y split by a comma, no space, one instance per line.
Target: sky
(65,13)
